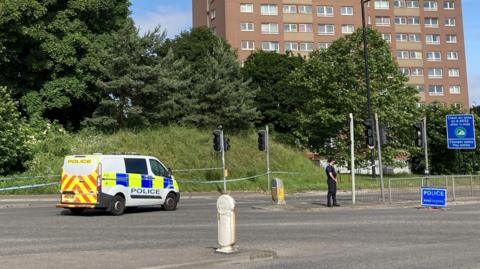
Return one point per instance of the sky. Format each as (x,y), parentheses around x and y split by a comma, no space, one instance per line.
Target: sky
(176,16)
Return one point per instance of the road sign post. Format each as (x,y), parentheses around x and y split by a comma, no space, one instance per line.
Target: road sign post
(461,131)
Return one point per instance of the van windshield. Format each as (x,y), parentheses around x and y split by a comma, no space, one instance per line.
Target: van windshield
(79,166)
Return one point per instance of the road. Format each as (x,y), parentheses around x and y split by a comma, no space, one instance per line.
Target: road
(34,234)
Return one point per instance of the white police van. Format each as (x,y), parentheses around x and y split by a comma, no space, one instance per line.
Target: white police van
(114,182)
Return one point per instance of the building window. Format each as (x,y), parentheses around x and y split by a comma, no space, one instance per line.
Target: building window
(416,55)
(414,20)
(432,39)
(402,37)
(414,38)
(435,90)
(213,14)
(326,29)
(248,45)
(399,3)
(405,71)
(324,46)
(454,89)
(458,105)
(269,10)
(431,22)
(348,28)
(246,8)
(453,72)
(382,21)
(450,22)
(325,11)
(290,27)
(305,9)
(306,46)
(387,37)
(289,9)
(305,28)
(400,20)
(346,11)
(434,56)
(271,46)
(419,88)
(435,72)
(269,28)
(449,5)
(381,4)
(413,4)
(451,39)
(291,46)
(452,55)
(403,54)
(417,72)
(431,5)
(246,27)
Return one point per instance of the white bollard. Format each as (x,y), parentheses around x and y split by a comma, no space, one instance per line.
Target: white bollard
(226,224)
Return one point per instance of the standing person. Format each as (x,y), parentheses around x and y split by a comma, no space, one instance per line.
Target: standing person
(332,183)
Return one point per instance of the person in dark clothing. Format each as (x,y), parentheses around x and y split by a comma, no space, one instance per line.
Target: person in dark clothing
(332,183)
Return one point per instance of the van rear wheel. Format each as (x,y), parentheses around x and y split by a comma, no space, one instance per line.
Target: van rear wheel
(170,203)
(117,205)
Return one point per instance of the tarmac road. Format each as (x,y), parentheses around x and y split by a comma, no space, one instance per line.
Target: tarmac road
(34,234)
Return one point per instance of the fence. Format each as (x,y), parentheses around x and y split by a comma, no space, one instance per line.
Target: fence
(406,190)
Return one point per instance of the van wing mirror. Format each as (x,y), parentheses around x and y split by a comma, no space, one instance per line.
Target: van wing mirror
(170,173)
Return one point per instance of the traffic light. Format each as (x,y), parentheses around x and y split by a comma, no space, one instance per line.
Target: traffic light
(226,144)
(418,134)
(369,133)
(262,140)
(217,141)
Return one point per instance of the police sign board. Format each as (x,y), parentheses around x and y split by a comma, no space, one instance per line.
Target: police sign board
(434,197)
(461,132)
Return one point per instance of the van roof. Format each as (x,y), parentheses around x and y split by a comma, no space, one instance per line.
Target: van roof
(96,155)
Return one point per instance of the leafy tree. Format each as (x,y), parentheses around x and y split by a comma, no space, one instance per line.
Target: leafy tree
(275,100)
(332,85)
(441,159)
(14,135)
(48,53)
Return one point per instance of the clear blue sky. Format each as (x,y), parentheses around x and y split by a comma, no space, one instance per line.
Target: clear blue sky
(176,16)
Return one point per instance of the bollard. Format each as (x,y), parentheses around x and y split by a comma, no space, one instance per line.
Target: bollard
(278,192)
(226,224)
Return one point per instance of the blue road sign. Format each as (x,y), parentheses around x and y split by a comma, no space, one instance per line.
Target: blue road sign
(434,197)
(461,132)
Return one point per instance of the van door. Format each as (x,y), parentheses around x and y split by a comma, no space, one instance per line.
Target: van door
(161,177)
(79,180)
(140,183)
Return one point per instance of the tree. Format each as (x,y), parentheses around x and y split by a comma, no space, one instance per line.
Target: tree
(332,85)
(48,53)
(441,159)
(14,135)
(270,72)
(139,84)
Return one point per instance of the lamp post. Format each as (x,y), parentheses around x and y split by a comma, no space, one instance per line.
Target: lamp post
(367,76)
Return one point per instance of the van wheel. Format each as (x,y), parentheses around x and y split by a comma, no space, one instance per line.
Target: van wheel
(117,205)
(76,211)
(170,202)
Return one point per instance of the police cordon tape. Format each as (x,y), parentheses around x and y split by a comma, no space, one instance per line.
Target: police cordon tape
(188,181)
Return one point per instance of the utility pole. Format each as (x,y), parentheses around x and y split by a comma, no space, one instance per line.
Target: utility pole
(425,145)
(267,149)
(352,157)
(380,166)
(367,76)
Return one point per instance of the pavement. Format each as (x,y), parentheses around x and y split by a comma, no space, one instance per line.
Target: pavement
(304,234)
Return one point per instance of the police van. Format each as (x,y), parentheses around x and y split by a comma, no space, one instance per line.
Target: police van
(114,182)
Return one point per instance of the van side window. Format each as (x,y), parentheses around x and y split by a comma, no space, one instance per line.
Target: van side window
(158,169)
(136,166)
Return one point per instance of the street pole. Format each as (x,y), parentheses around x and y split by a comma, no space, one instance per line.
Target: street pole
(352,154)
(380,165)
(223,162)
(425,144)
(267,147)
(367,76)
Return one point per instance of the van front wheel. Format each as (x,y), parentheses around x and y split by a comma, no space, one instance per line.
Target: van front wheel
(170,202)
(117,205)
